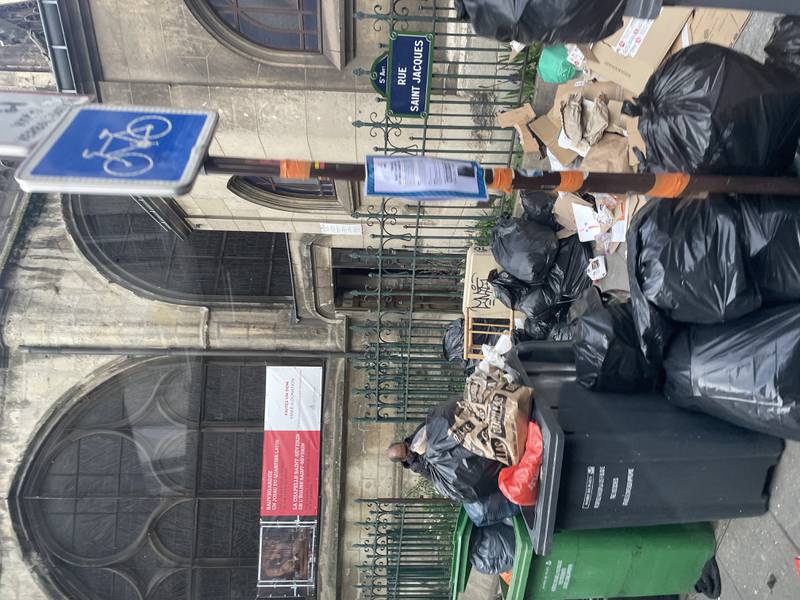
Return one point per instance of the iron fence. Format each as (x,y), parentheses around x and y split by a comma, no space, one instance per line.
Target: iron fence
(409,549)
(418,250)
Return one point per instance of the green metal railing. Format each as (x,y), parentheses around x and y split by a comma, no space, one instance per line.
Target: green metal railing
(418,253)
(409,549)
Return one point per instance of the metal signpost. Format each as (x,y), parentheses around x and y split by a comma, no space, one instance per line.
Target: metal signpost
(378,73)
(121,150)
(410,72)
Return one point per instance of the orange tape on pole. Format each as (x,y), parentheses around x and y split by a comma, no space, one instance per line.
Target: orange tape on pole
(503,180)
(669,185)
(571,181)
(295,169)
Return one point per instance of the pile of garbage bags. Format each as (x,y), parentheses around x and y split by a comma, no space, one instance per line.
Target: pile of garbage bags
(745,372)
(714,312)
(528,21)
(713,110)
(714,307)
(542,274)
(710,261)
(482,451)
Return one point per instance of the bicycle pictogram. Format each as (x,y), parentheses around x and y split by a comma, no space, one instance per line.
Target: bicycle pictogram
(130,160)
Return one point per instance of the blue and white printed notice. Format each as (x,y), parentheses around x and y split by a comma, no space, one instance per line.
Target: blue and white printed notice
(424,178)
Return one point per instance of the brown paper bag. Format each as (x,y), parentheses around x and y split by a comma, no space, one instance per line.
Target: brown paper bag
(609,155)
(492,419)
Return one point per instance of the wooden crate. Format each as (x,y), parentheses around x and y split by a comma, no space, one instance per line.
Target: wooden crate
(483,313)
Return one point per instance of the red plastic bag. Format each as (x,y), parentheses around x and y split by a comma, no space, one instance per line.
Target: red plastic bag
(520,483)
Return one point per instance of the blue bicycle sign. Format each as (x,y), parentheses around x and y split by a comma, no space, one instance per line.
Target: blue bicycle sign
(140,134)
(121,150)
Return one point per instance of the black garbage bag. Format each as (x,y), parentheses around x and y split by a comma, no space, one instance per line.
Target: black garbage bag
(691,260)
(453,341)
(536,329)
(507,288)
(546,21)
(456,473)
(524,249)
(783,48)
(607,353)
(713,110)
(538,207)
(772,231)
(561,331)
(491,549)
(745,372)
(567,277)
(491,511)
(540,303)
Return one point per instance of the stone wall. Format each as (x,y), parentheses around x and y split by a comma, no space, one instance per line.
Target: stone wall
(57,299)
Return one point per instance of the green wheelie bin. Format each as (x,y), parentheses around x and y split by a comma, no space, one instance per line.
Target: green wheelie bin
(601,563)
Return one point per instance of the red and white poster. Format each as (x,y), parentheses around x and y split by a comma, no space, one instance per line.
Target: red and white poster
(292,422)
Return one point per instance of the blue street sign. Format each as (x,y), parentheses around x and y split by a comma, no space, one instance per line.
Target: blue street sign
(410,71)
(121,150)
(379,72)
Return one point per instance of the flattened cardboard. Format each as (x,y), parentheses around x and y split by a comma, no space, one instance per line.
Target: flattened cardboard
(713,25)
(548,130)
(523,114)
(635,140)
(562,211)
(633,72)
(519,118)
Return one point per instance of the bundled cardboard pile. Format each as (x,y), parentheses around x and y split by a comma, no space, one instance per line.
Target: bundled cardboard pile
(586,128)
(614,70)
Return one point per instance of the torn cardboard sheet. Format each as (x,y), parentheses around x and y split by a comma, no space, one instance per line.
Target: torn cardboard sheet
(632,54)
(524,114)
(519,118)
(547,130)
(562,211)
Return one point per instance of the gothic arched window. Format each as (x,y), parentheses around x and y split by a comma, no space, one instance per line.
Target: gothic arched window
(129,247)
(292,195)
(291,25)
(148,487)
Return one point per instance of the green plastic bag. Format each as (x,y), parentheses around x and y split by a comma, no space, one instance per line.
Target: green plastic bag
(554,66)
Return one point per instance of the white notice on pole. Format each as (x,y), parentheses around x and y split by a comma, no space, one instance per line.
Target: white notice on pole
(421,177)
(27,117)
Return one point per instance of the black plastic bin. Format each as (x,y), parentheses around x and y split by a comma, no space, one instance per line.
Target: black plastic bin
(635,460)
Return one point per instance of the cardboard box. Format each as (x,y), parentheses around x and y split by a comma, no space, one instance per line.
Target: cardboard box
(548,127)
(713,25)
(633,71)
(479,299)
